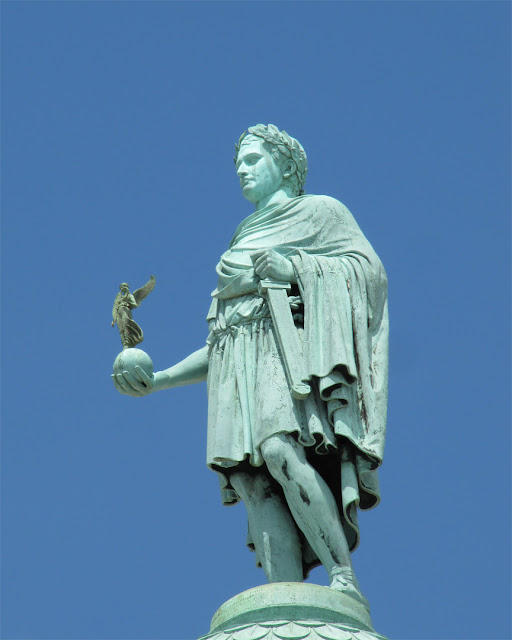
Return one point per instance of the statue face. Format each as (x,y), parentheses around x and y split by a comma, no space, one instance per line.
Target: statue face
(257,170)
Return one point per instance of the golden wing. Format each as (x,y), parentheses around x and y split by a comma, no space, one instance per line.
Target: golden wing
(141,293)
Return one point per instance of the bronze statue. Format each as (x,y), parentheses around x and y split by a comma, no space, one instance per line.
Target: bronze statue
(131,333)
(296,365)
(296,397)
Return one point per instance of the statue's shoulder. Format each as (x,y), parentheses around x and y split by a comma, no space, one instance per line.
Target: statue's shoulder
(327,204)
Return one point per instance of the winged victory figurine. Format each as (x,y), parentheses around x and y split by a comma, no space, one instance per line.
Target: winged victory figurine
(130,332)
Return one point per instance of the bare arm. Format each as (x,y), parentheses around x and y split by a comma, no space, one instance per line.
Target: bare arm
(194,368)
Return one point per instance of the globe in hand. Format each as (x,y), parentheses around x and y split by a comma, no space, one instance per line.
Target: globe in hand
(128,359)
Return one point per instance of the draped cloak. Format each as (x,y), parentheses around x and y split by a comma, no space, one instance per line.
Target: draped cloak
(343,287)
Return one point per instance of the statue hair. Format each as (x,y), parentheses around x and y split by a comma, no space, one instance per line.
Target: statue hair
(282,147)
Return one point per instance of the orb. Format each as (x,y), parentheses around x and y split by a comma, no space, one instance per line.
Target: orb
(128,359)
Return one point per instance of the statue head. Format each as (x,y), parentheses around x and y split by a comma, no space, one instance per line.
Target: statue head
(287,153)
(125,287)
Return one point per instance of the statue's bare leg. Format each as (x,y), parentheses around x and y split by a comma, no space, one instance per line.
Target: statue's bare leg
(273,530)
(313,507)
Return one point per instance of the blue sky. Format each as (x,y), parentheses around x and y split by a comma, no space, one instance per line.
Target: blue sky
(118,127)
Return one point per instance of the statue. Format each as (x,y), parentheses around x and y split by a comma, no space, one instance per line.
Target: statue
(296,369)
(130,332)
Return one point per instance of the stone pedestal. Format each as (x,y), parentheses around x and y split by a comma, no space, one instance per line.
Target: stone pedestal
(292,611)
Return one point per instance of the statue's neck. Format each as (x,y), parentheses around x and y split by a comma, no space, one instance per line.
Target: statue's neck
(277,197)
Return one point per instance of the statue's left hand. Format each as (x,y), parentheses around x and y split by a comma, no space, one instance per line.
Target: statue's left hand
(270,264)
(137,385)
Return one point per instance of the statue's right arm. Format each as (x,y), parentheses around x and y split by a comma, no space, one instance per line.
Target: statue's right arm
(194,368)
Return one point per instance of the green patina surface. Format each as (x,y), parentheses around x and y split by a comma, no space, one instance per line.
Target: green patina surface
(296,364)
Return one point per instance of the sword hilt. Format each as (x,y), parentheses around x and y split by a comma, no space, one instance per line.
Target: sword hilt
(301,390)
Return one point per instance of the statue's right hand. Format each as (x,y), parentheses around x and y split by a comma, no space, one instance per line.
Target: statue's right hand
(136,385)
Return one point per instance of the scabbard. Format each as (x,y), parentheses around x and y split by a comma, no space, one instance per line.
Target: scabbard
(287,336)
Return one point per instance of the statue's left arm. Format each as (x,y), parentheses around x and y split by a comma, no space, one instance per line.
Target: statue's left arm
(268,263)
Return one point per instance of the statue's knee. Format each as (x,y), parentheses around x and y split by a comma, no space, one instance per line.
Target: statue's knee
(277,452)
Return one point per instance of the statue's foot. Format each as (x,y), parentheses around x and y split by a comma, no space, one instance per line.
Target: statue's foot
(344,580)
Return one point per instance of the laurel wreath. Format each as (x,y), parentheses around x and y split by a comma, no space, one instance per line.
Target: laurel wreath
(284,144)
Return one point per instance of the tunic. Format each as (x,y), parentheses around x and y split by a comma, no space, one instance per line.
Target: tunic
(343,326)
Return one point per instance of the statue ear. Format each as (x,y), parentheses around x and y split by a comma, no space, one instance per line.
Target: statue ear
(289,169)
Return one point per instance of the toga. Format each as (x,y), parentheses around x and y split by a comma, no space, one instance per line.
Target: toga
(340,311)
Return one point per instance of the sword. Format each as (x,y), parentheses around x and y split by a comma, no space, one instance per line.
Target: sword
(287,336)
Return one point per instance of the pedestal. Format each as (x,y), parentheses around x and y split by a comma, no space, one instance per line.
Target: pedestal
(292,611)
